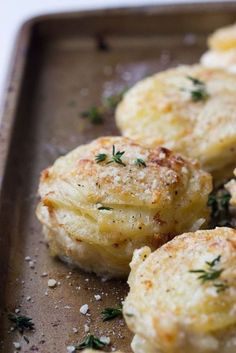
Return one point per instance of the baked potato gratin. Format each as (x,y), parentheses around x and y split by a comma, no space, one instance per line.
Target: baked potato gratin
(182,297)
(105,199)
(189,109)
(222,49)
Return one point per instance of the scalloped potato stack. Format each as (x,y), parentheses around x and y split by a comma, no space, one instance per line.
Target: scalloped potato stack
(189,109)
(182,297)
(105,199)
(222,49)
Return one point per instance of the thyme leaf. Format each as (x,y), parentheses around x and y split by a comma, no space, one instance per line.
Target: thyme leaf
(101,208)
(140,162)
(100,157)
(21,323)
(112,101)
(111,313)
(198,92)
(195,81)
(97,114)
(219,204)
(90,342)
(116,157)
(211,274)
(94,115)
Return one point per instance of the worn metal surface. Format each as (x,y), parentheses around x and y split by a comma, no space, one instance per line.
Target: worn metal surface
(63,65)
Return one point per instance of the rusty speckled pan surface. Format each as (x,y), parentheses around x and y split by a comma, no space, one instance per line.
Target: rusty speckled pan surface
(63,65)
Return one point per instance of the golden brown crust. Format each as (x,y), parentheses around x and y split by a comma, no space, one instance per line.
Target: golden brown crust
(170,309)
(144,204)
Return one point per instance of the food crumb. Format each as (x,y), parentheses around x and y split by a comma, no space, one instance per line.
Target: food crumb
(97,297)
(86,328)
(44,274)
(84,309)
(31,264)
(105,339)
(17,345)
(52,283)
(75,330)
(70,349)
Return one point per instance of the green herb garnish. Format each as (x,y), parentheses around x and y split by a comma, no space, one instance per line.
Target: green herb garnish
(100,157)
(112,101)
(101,208)
(211,274)
(90,342)
(196,81)
(116,156)
(94,115)
(220,287)
(140,162)
(97,114)
(214,261)
(128,314)
(198,92)
(21,323)
(111,313)
(219,203)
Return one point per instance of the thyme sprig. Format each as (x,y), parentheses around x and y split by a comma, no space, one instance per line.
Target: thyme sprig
(100,157)
(116,156)
(211,274)
(101,208)
(111,313)
(97,114)
(112,101)
(140,162)
(94,114)
(21,323)
(198,92)
(90,341)
(219,203)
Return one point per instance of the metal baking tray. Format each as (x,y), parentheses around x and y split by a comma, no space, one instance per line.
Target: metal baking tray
(63,64)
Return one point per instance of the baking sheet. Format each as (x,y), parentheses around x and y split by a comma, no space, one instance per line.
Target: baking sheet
(63,65)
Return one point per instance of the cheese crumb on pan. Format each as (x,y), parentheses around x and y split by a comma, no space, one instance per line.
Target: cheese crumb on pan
(231,187)
(182,297)
(222,49)
(189,109)
(107,198)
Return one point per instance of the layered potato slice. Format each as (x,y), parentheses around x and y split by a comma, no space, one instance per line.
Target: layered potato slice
(222,49)
(105,199)
(231,187)
(189,109)
(182,297)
